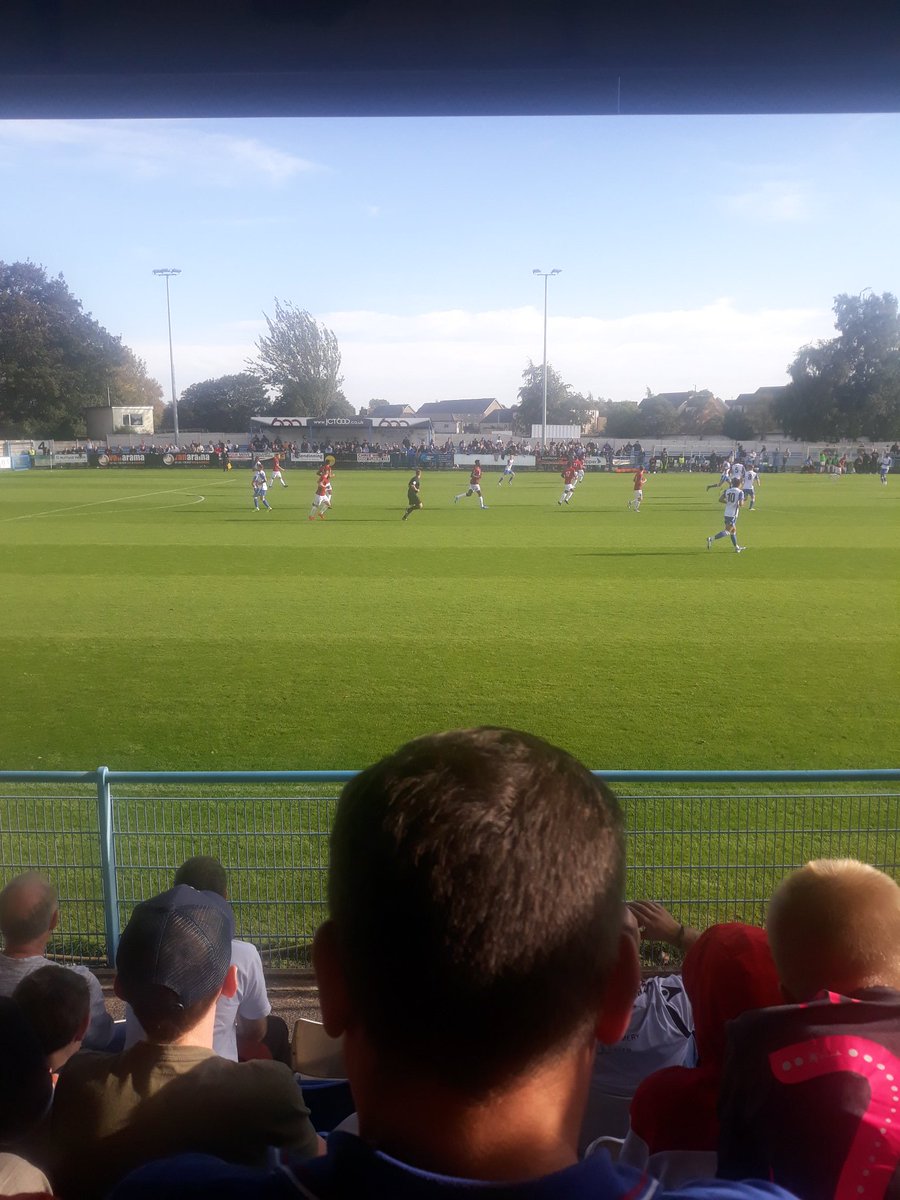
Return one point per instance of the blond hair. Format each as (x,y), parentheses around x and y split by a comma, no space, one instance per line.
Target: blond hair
(835,924)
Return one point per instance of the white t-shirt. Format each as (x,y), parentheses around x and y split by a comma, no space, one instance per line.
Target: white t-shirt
(249,1001)
(660,1034)
(733,498)
(101,1028)
(750,478)
(738,470)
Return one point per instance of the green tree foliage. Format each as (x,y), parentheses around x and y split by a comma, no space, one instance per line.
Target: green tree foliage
(657,416)
(622,419)
(56,360)
(225,404)
(302,360)
(848,386)
(564,405)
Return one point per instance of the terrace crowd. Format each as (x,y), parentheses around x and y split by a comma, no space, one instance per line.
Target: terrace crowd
(479,972)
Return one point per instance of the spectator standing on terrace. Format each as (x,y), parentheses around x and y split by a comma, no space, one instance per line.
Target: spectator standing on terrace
(244,1027)
(810,1093)
(474,954)
(29,914)
(172,1092)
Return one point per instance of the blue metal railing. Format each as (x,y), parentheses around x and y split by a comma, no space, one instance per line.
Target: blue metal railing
(709,844)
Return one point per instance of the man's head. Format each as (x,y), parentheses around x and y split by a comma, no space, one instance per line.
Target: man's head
(173,959)
(204,873)
(29,909)
(475,890)
(835,924)
(57,1004)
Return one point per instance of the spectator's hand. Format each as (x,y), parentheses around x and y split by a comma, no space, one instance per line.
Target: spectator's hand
(655,922)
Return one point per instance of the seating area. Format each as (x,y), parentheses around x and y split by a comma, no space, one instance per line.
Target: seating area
(485,1025)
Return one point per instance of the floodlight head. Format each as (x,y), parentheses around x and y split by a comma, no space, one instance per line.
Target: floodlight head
(537,271)
(556,271)
(167,270)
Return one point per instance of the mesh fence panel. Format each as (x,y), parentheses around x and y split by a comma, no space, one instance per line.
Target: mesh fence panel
(55,831)
(708,852)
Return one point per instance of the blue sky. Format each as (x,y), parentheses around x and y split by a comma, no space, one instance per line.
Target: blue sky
(694,250)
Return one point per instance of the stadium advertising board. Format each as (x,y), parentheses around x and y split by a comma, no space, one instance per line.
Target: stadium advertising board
(308,457)
(372,458)
(5,462)
(489,458)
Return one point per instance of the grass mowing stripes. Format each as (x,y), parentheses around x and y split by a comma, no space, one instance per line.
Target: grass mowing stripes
(155,621)
(149,628)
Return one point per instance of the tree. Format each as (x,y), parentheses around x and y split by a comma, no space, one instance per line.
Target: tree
(622,419)
(302,360)
(657,416)
(564,406)
(848,386)
(225,404)
(56,360)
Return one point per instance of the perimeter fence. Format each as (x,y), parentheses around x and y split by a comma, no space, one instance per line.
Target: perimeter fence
(709,845)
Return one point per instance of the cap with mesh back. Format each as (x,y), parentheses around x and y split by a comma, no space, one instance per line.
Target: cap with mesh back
(180,940)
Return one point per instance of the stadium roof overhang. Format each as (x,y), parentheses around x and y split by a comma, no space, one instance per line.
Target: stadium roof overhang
(337,425)
(339,58)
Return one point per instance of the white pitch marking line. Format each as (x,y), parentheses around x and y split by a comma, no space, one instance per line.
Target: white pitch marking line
(94,503)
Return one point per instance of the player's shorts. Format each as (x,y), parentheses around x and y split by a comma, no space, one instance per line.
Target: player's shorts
(639,494)
(413,500)
(749,493)
(276,474)
(508,471)
(474,489)
(731,520)
(260,491)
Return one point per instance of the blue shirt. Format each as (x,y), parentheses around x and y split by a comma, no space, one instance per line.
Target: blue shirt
(352,1169)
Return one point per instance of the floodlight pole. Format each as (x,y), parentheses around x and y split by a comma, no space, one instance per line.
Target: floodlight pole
(168,272)
(546,275)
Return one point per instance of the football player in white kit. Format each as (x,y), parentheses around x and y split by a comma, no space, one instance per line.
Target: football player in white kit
(749,485)
(724,476)
(260,487)
(508,472)
(884,467)
(733,499)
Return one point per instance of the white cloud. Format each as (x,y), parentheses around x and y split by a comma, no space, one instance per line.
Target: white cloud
(442,355)
(772,202)
(159,149)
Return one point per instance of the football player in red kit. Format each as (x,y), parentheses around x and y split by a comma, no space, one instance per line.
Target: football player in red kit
(474,488)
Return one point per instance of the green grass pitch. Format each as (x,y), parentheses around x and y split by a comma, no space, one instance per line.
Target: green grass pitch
(153,620)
